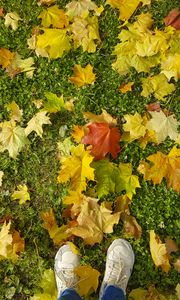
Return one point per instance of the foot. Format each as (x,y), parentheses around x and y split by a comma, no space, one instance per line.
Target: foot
(65,263)
(119,265)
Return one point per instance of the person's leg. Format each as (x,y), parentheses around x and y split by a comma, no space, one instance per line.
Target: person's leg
(69,294)
(119,265)
(114,293)
(65,263)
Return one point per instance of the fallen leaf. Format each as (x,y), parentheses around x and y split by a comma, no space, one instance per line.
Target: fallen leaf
(54,41)
(158,252)
(12,138)
(58,234)
(19,65)
(85,33)
(74,248)
(177,265)
(76,199)
(163,126)
(163,166)
(158,86)
(46,2)
(65,148)
(21,194)
(48,285)
(171,246)
(178,291)
(36,123)
(1,176)
(83,76)
(126,7)
(153,107)
(88,280)
(53,103)
(82,9)
(5,240)
(138,294)
(103,138)
(126,180)
(170,66)
(130,226)
(93,221)
(1,11)
(76,168)
(15,112)
(173,19)
(54,16)
(105,175)
(11,20)
(135,126)
(18,244)
(104,117)
(122,204)
(6,57)
(78,133)
(126,87)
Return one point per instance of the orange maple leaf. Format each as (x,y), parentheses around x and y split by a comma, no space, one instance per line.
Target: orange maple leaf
(5,57)
(83,76)
(163,166)
(103,138)
(126,87)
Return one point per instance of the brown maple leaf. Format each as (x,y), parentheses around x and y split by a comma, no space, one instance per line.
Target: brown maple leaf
(173,19)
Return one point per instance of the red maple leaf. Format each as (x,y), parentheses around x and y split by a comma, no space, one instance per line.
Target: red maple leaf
(173,19)
(103,138)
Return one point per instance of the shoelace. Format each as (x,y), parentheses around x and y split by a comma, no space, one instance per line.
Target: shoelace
(115,274)
(67,277)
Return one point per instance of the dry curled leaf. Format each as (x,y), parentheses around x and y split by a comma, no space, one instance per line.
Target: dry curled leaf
(173,19)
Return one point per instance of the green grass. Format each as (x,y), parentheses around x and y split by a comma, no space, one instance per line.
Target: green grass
(37,165)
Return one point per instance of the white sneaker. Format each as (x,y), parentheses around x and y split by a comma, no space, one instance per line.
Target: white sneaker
(119,265)
(65,263)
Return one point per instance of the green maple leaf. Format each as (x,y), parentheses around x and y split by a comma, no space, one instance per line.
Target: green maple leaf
(105,175)
(126,181)
(12,138)
(53,103)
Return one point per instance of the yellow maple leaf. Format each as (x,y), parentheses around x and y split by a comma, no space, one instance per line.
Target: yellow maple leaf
(158,86)
(93,221)
(88,280)
(126,87)
(36,123)
(86,33)
(11,20)
(163,126)
(5,240)
(54,16)
(56,233)
(19,65)
(135,126)
(158,252)
(163,166)
(76,199)
(76,168)
(126,7)
(104,117)
(15,111)
(21,194)
(6,57)
(54,41)
(82,9)
(74,248)
(12,138)
(170,66)
(78,133)
(83,76)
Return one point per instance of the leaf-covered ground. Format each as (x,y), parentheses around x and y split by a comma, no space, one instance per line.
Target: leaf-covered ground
(155,207)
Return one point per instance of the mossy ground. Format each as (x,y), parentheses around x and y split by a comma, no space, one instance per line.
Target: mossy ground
(37,165)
